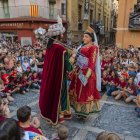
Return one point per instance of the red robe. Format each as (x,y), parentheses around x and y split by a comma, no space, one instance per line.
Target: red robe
(52,77)
(81,95)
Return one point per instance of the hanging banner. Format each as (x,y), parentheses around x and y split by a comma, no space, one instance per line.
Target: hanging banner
(86,10)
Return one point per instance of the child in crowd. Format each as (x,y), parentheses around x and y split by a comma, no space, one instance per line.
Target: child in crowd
(122,84)
(33,63)
(13,74)
(35,80)
(131,70)
(137,101)
(23,84)
(125,72)
(113,83)
(25,64)
(19,68)
(107,136)
(129,92)
(40,62)
(4,110)
(24,118)
(5,96)
(63,133)
(138,88)
(11,130)
(104,81)
(5,77)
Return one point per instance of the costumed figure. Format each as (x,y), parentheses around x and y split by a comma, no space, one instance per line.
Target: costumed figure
(54,101)
(84,90)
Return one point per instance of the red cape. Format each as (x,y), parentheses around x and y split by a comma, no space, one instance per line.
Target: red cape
(52,79)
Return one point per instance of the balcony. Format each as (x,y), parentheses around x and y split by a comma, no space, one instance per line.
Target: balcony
(134,18)
(29,11)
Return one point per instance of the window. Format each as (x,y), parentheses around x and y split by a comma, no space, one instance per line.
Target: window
(80,12)
(51,11)
(6,8)
(91,16)
(99,16)
(105,22)
(63,9)
(80,26)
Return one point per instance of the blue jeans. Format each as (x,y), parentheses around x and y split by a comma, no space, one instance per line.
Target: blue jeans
(110,90)
(35,86)
(137,91)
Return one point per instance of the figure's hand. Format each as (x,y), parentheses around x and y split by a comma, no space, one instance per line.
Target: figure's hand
(74,52)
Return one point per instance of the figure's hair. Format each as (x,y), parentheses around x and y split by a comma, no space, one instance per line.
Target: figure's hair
(91,35)
(12,129)
(23,113)
(50,41)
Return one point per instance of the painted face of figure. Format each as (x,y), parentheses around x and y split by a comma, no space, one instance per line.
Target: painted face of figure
(87,39)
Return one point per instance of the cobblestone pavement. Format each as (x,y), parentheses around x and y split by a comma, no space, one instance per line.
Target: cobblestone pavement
(115,117)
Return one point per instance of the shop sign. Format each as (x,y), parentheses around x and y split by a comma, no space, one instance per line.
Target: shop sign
(11,24)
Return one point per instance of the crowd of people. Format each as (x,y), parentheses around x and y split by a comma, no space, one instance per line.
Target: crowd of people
(121,74)
(21,69)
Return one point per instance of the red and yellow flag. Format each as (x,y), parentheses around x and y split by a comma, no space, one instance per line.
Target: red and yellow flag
(34,10)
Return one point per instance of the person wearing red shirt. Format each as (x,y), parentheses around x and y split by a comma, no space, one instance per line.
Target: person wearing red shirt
(5,77)
(24,117)
(113,83)
(23,84)
(129,92)
(35,81)
(122,84)
(125,73)
(104,81)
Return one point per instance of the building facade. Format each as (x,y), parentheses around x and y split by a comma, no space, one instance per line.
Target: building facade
(82,13)
(19,19)
(128,25)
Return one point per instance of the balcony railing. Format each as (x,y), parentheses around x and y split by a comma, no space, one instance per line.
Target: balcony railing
(30,11)
(134,18)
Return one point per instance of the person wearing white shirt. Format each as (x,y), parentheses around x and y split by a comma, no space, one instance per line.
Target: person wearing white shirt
(33,63)
(19,67)
(25,64)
